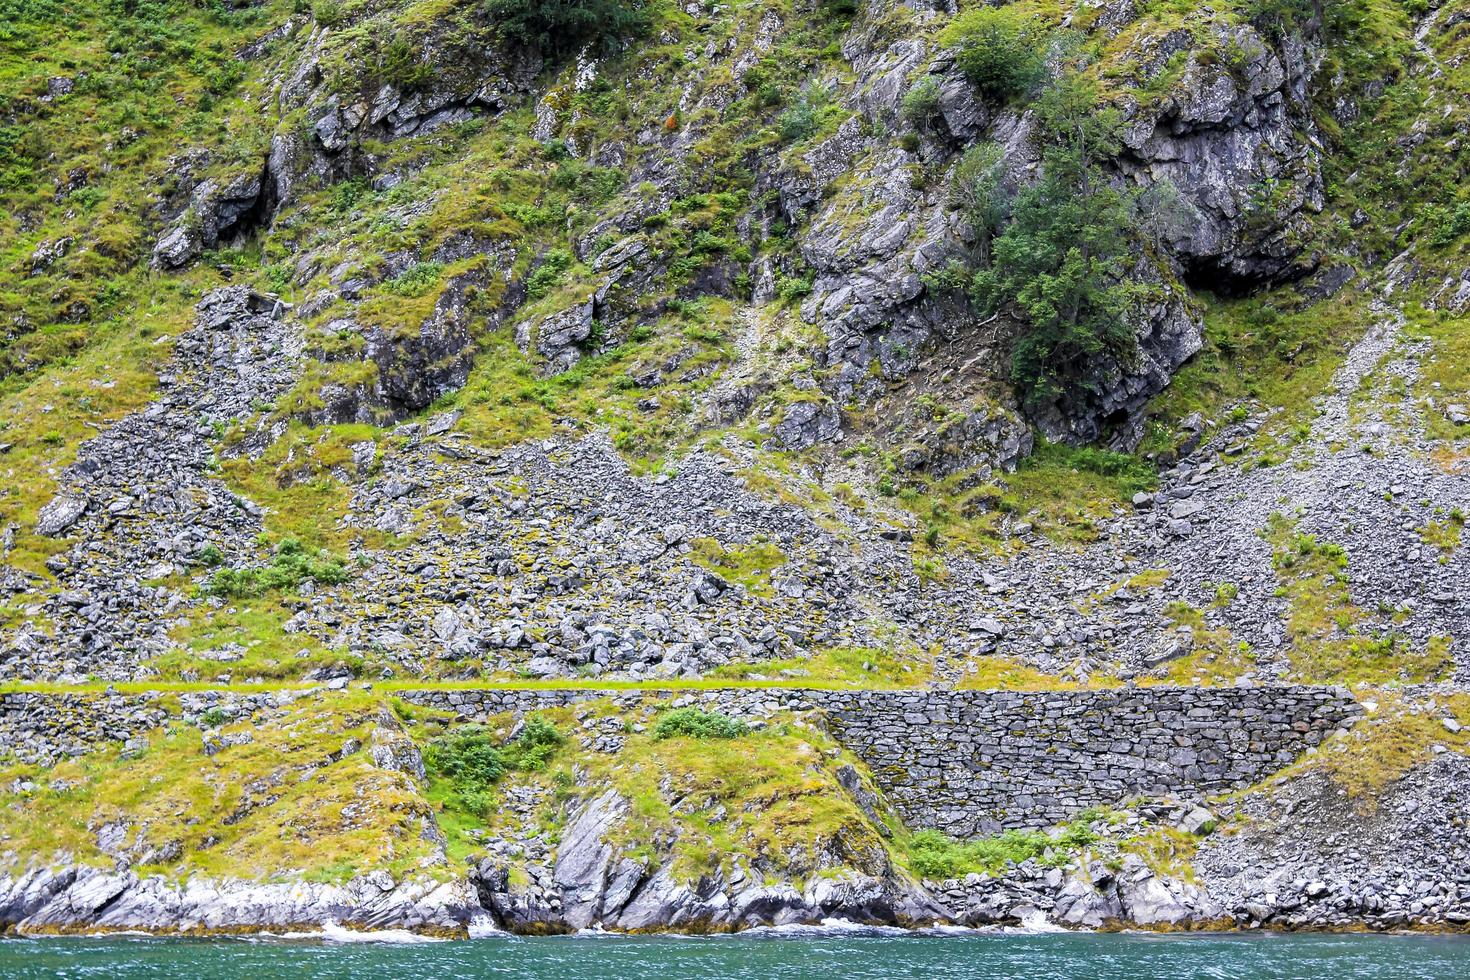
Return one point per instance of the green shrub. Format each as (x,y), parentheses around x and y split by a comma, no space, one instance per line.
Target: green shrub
(798,122)
(289,567)
(921,103)
(327,13)
(1062,261)
(468,754)
(937,857)
(534,746)
(548,274)
(213,718)
(1445,225)
(469,759)
(1002,53)
(559,27)
(1132,474)
(802,120)
(697,723)
(416,280)
(789,288)
(976,191)
(402,64)
(347,195)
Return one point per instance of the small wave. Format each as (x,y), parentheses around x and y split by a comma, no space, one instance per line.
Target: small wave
(955,930)
(331,932)
(827,927)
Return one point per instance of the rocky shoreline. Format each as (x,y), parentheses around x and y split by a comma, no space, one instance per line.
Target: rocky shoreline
(89,901)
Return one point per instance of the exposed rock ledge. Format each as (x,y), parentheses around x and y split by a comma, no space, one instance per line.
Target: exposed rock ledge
(1095,896)
(81,899)
(595,895)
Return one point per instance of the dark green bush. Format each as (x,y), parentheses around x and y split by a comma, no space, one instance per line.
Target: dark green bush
(560,27)
(548,274)
(534,746)
(1002,53)
(789,288)
(213,718)
(416,280)
(800,120)
(937,857)
(1446,224)
(402,64)
(698,723)
(1133,473)
(921,103)
(466,755)
(289,567)
(469,759)
(347,195)
(1062,261)
(327,13)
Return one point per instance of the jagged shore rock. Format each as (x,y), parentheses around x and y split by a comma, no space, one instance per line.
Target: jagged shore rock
(82,899)
(623,898)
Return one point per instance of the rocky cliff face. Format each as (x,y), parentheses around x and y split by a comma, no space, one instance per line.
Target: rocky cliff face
(1231,140)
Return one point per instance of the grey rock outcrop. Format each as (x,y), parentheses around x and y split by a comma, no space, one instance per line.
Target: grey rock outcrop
(61,513)
(77,899)
(217,212)
(1219,136)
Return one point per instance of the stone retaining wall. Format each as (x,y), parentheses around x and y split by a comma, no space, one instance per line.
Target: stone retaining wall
(48,727)
(975,762)
(972,762)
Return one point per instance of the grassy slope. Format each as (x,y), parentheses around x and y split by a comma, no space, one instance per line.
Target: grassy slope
(282,806)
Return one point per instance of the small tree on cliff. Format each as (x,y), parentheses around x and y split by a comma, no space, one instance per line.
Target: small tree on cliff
(1062,260)
(1001,52)
(559,27)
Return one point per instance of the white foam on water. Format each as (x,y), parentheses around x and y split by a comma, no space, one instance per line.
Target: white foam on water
(482,927)
(955,931)
(1035,922)
(827,927)
(331,932)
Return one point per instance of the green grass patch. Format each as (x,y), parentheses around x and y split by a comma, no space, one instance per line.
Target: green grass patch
(301,799)
(747,565)
(1332,640)
(936,857)
(289,567)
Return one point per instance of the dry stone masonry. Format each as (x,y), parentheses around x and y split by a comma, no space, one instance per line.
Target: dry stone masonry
(975,762)
(49,727)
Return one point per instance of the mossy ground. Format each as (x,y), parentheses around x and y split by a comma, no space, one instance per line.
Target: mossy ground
(768,798)
(298,801)
(749,565)
(1215,657)
(870,668)
(1333,640)
(1398,735)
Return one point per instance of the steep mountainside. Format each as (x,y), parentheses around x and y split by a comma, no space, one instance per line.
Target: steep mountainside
(413,345)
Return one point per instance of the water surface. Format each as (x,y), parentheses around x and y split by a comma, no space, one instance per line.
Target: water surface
(754,957)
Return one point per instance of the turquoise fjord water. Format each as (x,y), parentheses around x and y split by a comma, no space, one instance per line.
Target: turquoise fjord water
(758,957)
